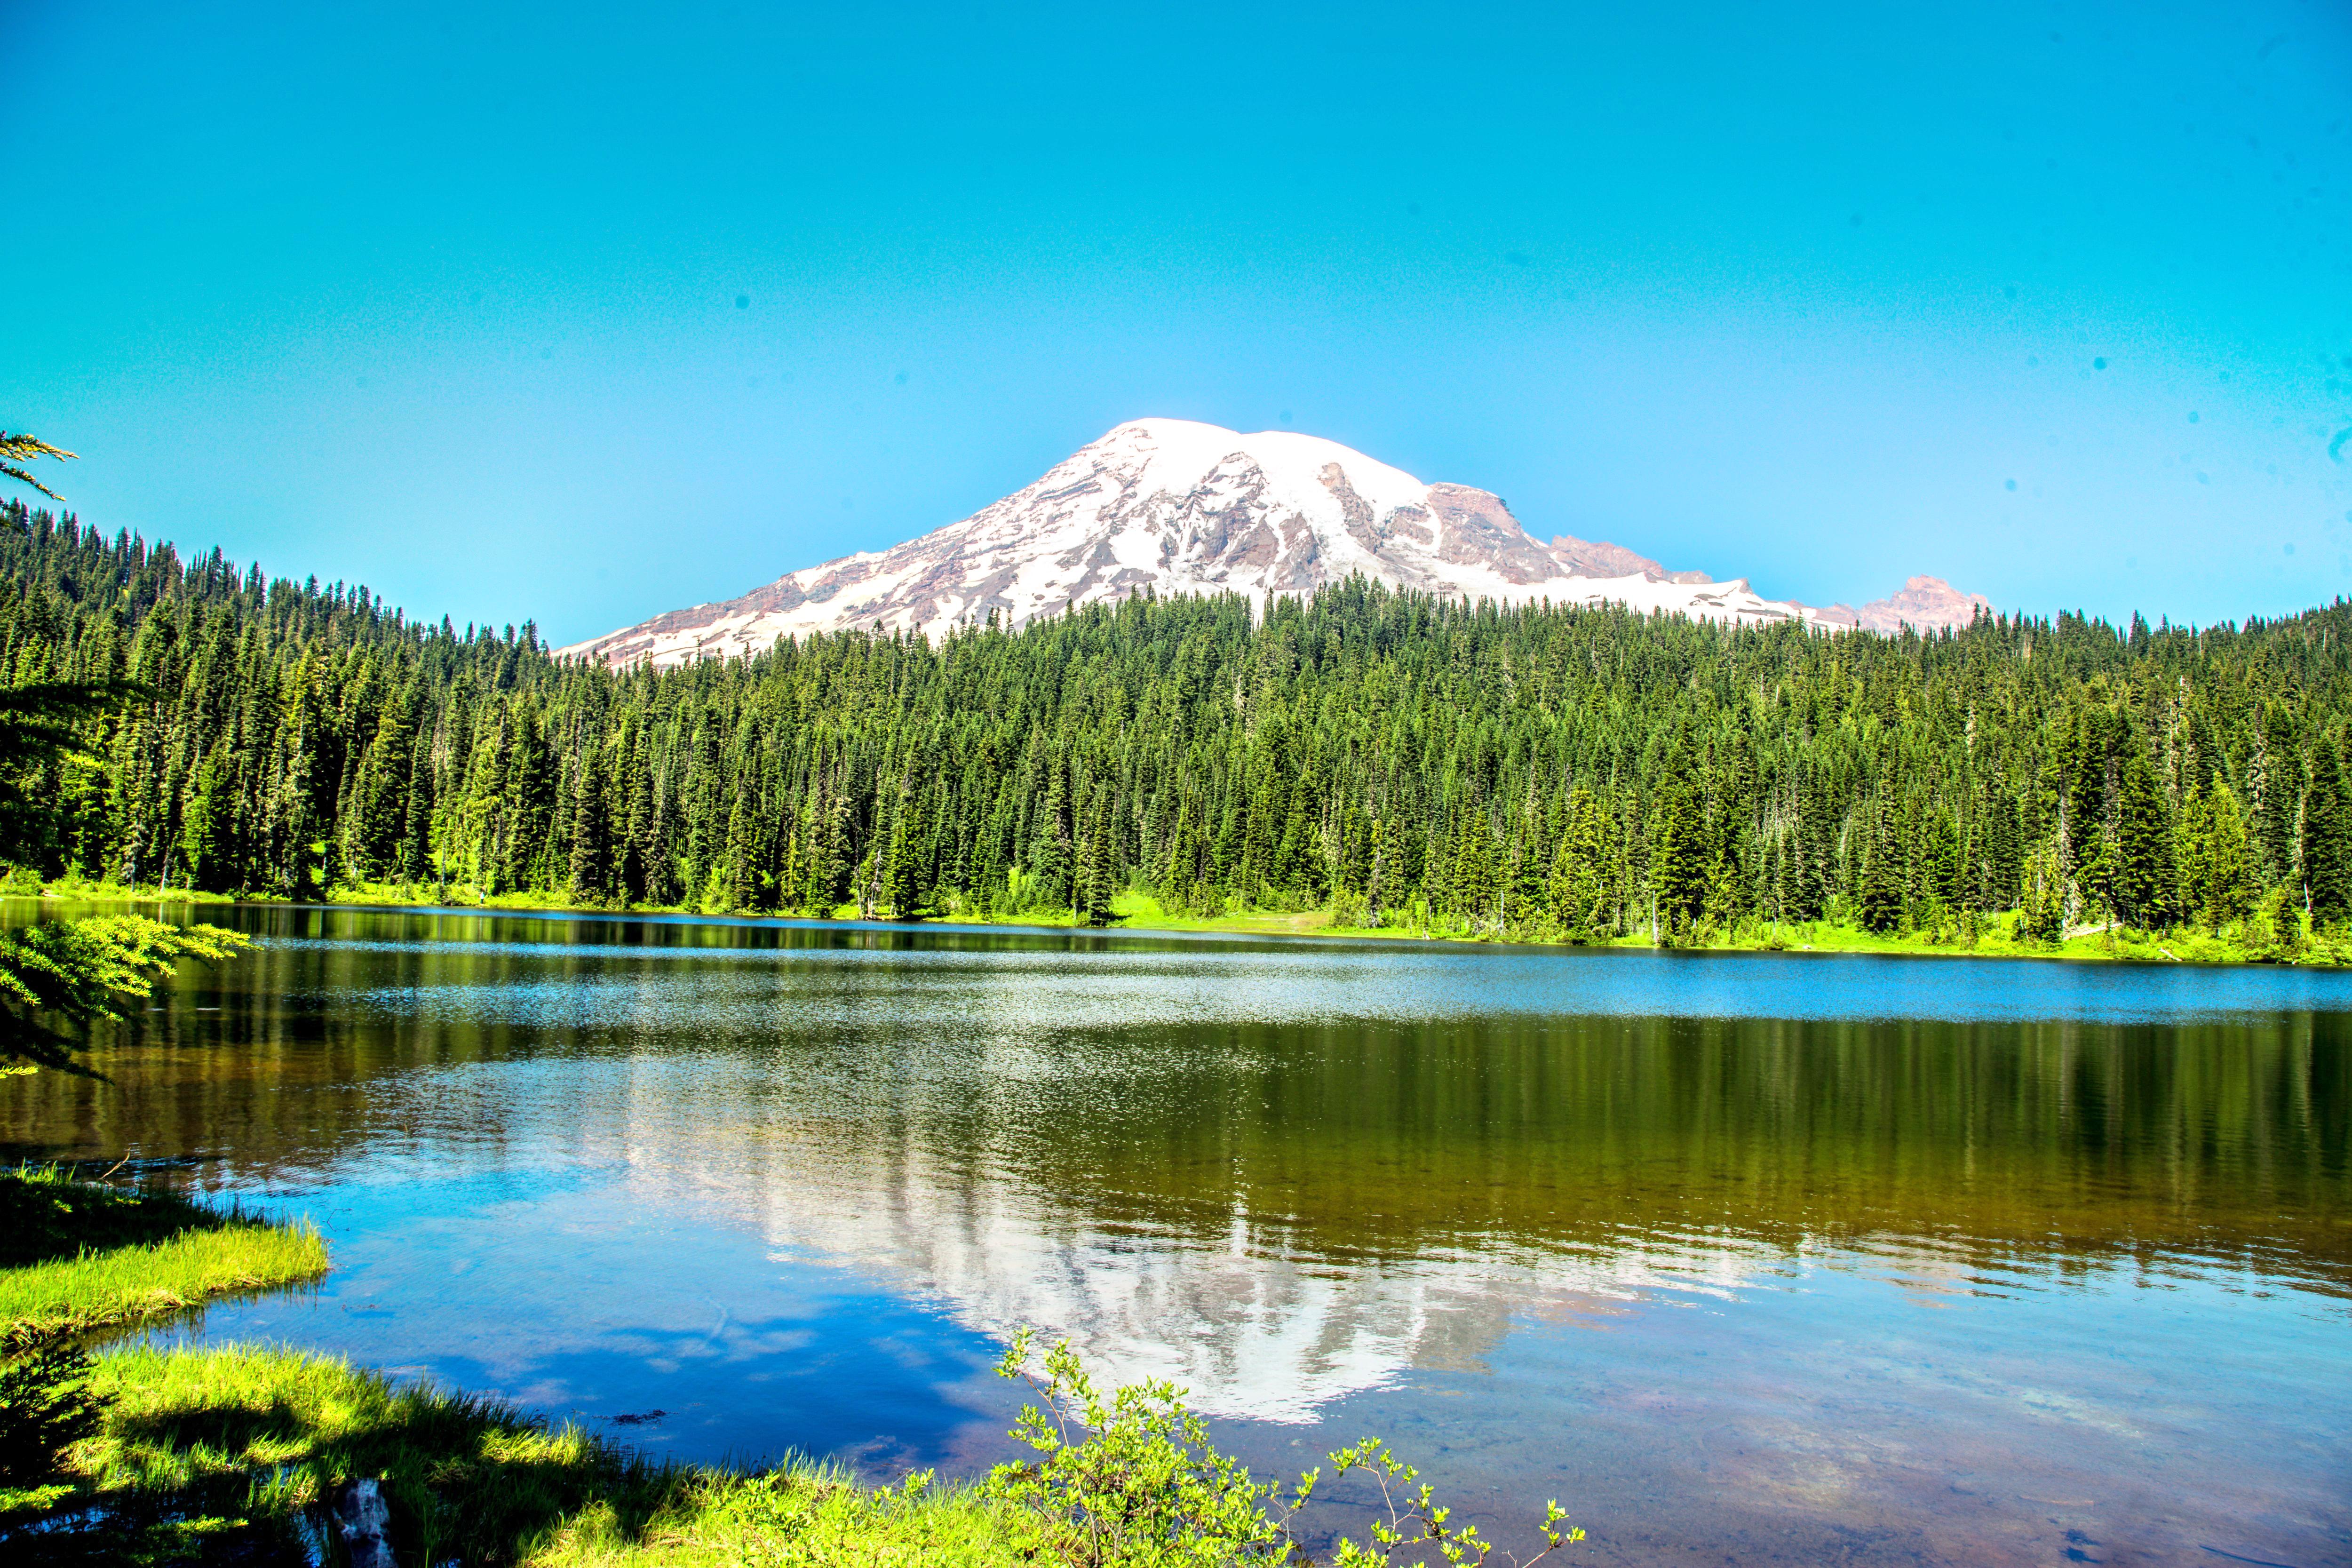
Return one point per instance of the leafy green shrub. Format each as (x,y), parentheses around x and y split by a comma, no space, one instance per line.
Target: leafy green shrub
(74,970)
(1132,1480)
(1142,1484)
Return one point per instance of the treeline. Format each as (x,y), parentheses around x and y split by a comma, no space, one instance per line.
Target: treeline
(1584,773)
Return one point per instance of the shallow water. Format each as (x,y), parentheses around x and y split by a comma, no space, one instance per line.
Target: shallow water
(1754,1259)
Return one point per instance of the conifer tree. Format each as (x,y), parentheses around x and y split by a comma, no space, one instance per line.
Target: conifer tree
(902,872)
(2326,841)
(1579,882)
(590,842)
(2042,917)
(1476,884)
(1879,903)
(2143,847)
(1678,864)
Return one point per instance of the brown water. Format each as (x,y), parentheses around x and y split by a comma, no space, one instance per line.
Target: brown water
(1745,1258)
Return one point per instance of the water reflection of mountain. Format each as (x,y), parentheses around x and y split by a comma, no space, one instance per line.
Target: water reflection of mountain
(1340,1164)
(1252,1324)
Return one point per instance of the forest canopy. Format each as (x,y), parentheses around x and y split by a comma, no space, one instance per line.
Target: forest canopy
(1565,770)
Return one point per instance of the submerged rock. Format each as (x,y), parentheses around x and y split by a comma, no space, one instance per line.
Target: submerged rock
(362,1517)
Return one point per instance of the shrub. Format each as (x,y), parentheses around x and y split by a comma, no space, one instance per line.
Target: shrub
(46,1406)
(1132,1480)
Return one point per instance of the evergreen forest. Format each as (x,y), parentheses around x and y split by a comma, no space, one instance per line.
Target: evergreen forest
(1571,774)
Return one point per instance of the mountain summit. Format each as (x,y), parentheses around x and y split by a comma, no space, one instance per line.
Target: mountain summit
(1179,507)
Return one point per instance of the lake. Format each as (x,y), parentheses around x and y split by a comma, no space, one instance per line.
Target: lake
(1753,1258)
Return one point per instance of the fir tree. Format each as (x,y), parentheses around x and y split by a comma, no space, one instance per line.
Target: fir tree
(1678,863)
(2326,841)
(2142,857)
(1578,888)
(1879,903)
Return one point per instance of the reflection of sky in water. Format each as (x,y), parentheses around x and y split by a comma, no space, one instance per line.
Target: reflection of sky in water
(793,1199)
(1872,1403)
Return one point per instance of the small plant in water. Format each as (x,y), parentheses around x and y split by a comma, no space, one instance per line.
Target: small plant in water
(1132,1478)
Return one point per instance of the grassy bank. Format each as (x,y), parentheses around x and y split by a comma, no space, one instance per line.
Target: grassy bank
(234,1451)
(1995,936)
(241,1454)
(230,1453)
(125,1285)
(82,1256)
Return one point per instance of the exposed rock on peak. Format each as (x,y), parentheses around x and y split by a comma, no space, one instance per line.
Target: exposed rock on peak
(1179,507)
(1924,604)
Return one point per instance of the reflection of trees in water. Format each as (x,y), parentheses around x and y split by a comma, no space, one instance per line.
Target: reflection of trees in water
(1275,1214)
(1330,1140)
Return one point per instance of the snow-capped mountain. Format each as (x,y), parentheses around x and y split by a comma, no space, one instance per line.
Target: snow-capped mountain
(1179,507)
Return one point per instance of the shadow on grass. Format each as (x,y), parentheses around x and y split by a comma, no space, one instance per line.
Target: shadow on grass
(46,1212)
(242,1451)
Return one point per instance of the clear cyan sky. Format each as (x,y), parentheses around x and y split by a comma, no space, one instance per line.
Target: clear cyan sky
(583,314)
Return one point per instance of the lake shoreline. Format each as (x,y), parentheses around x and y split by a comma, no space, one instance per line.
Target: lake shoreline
(191,1448)
(1142,915)
(722,1191)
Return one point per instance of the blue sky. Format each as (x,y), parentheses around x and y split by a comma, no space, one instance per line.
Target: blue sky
(584,314)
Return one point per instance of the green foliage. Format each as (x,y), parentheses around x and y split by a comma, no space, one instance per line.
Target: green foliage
(1411,1521)
(126,1284)
(46,1405)
(2326,841)
(1131,1478)
(74,972)
(1142,1485)
(1389,751)
(2274,931)
(41,730)
(17,449)
(2043,916)
(46,1212)
(1579,885)
(2215,859)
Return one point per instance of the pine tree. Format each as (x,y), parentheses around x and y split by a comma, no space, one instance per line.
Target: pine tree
(1091,902)
(1679,866)
(1474,888)
(208,856)
(2143,847)
(901,874)
(1941,863)
(1050,855)
(590,845)
(2276,778)
(1879,899)
(2326,841)
(1578,886)
(2043,912)
(1525,898)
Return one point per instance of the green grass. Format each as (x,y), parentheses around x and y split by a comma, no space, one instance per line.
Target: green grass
(77,1256)
(1141,911)
(125,1284)
(77,887)
(46,1212)
(222,1451)
(227,1454)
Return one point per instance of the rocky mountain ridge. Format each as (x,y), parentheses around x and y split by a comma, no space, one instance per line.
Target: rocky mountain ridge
(1179,507)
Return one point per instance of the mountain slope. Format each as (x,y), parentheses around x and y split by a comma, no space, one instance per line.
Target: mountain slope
(1178,507)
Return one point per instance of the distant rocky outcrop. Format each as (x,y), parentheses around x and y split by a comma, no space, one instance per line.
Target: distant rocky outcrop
(1924,604)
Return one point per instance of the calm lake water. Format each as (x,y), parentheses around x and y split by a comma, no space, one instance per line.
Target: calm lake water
(1769,1258)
